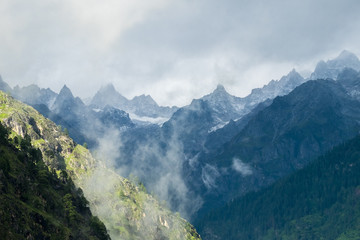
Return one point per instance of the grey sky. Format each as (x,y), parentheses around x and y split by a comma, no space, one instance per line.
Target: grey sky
(173,50)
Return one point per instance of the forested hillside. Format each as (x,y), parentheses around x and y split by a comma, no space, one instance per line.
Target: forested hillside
(321,201)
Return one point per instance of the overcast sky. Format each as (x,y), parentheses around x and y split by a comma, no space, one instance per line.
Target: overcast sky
(174,50)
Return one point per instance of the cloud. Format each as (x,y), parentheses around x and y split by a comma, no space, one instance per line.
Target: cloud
(243,168)
(209,174)
(173,50)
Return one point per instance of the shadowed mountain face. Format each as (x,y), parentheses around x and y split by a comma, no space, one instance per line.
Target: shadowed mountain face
(278,140)
(192,124)
(222,158)
(90,125)
(190,132)
(320,201)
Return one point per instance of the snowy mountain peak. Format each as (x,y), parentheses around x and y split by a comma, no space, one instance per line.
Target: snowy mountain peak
(331,68)
(219,93)
(107,95)
(345,59)
(108,88)
(220,88)
(144,99)
(293,77)
(348,56)
(293,73)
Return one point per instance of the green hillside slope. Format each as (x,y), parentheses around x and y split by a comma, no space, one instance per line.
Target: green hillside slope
(127,211)
(35,203)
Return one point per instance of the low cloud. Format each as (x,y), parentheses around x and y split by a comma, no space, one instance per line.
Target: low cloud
(241,167)
(209,174)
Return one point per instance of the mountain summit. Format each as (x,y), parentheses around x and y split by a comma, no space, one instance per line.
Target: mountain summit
(108,95)
(65,92)
(331,68)
(66,101)
(220,89)
(139,107)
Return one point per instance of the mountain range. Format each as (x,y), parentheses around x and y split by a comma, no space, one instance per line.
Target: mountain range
(141,107)
(216,151)
(278,140)
(211,130)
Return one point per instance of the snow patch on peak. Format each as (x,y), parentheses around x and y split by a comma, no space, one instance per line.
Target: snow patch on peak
(148,120)
(217,127)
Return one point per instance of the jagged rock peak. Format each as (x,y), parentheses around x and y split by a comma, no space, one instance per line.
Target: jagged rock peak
(108,88)
(331,68)
(219,91)
(66,92)
(292,76)
(144,99)
(346,55)
(293,72)
(220,88)
(143,96)
(108,95)
(345,59)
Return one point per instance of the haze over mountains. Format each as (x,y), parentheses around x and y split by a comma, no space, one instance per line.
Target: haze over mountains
(332,68)
(49,184)
(220,147)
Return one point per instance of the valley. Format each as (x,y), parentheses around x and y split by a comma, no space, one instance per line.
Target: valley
(279,163)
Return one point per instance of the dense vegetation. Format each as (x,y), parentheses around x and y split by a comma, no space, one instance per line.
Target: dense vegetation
(322,201)
(36,203)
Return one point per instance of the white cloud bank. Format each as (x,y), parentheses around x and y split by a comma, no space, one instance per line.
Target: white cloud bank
(173,50)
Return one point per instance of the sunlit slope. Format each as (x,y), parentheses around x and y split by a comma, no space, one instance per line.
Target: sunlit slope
(126,209)
(37,204)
